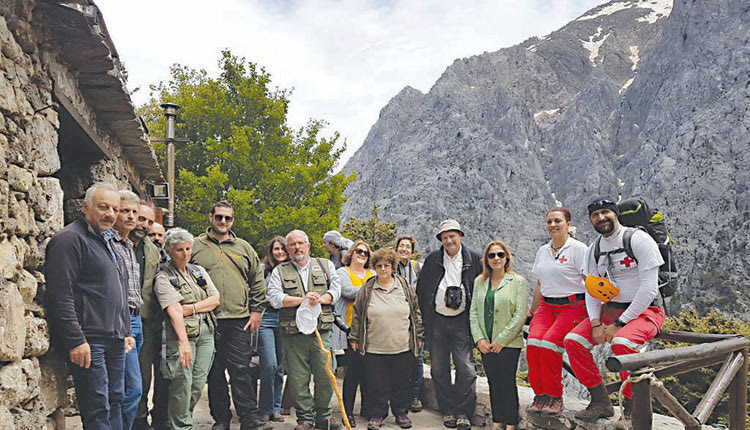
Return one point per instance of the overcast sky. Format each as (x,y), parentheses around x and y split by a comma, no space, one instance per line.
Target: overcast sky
(344,59)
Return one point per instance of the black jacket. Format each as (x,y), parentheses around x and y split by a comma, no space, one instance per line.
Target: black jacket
(431,275)
(85,298)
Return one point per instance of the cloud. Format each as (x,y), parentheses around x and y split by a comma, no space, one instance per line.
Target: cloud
(344,59)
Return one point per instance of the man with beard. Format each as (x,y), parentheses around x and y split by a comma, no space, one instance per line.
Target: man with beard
(148,256)
(237,273)
(626,319)
(87,307)
(291,283)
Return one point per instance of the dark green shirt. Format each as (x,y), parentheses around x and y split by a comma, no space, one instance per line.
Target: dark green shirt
(489,311)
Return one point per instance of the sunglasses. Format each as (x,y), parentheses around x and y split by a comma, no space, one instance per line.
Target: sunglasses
(493,255)
(362,252)
(600,204)
(220,218)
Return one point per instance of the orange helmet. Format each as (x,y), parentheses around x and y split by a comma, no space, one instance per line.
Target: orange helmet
(601,288)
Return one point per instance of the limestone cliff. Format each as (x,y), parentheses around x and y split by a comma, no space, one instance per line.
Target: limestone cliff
(630,98)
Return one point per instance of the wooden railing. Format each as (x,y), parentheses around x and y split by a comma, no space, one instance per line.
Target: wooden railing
(648,368)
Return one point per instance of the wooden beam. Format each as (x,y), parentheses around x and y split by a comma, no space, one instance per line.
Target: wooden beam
(733,364)
(675,408)
(70,108)
(618,363)
(738,396)
(690,337)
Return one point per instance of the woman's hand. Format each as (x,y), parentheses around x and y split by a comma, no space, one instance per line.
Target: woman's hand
(186,354)
(495,347)
(483,346)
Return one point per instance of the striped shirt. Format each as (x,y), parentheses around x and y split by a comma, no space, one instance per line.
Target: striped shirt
(125,250)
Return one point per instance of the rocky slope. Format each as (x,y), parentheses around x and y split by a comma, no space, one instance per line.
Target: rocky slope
(633,97)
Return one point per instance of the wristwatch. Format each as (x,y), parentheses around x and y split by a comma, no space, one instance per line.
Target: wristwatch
(619,323)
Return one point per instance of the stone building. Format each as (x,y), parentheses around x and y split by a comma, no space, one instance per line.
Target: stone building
(66,121)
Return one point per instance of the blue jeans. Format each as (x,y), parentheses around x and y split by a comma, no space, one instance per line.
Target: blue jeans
(451,337)
(271,371)
(99,388)
(133,389)
(417,377)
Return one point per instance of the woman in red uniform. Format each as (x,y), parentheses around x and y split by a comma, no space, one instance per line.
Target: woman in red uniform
(558,306)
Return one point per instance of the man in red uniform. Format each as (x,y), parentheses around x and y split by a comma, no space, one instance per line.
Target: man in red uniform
(630,318)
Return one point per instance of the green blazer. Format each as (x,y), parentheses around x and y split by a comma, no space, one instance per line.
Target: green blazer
(510,311)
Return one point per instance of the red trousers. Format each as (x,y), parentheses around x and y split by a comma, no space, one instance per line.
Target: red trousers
(544,348)
(627,340)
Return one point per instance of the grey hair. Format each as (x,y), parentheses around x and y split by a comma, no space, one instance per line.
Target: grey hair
(176,236)
(129,196)
(89,196)
(298,232)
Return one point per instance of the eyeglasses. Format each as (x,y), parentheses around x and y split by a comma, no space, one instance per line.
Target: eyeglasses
(362,252)
(383,266)
(220,218)
(494,255)
(600,204)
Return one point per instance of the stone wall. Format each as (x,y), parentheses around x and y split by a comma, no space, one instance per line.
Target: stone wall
(47,159)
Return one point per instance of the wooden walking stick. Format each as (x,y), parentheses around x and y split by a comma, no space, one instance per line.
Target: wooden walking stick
(333,380)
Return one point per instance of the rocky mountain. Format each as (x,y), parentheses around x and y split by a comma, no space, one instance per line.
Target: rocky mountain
(632,98)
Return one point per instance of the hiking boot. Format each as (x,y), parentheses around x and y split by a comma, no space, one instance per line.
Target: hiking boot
(255,423)
(403,421)
(220,425)
(303,426)
(374,423)
(600,406)
(536,406)
(449,421)
(350,417)
(415,405)
(331,424)
(553,407)
(462,422)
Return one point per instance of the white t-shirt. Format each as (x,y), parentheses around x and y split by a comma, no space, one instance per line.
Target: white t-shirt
(626,273)
(452,278)
(560,276)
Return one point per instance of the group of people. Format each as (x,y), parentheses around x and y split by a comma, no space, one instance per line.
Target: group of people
(132,306)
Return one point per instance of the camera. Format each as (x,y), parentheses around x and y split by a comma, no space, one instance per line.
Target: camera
(453,296)
(340,323)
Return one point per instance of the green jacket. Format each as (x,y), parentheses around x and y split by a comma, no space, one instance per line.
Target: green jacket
(238,297)
(510,311)
(150,307)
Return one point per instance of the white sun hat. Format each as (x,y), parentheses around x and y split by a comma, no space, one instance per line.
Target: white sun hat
(307,317)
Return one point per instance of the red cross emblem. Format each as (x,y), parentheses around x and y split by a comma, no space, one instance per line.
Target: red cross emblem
(563,259)
(627,261)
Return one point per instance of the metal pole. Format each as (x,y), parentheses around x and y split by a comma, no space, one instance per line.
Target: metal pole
(170,112)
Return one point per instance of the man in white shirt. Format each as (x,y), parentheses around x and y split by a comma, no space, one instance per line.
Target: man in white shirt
(444,289)
(632,317)
(290,284)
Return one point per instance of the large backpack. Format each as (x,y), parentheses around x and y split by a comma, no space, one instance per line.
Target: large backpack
(636,213)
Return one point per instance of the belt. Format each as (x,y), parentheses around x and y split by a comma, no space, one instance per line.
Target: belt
(135,311)
(620,305)
(573,298)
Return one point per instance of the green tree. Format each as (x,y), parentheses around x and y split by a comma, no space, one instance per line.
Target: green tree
(689,388)
(241,149)
(377,234)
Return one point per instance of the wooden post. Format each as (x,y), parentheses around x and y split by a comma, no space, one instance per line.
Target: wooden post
(738,397)
(643,414)
(718,386)
(675,408)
